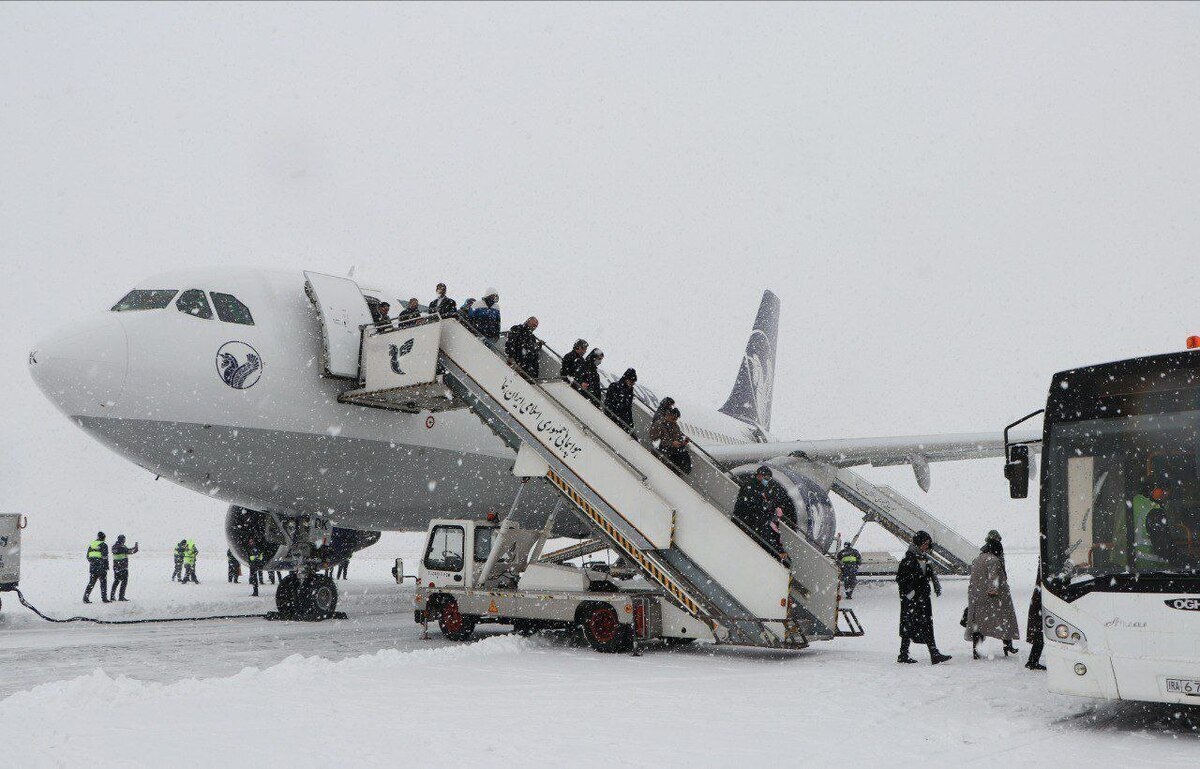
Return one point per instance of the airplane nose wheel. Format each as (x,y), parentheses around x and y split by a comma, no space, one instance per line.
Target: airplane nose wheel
(316,599)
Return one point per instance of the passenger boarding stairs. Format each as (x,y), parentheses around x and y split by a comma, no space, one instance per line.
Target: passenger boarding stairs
(676,529)
(951,552)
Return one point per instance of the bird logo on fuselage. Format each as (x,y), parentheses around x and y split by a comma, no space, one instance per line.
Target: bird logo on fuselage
(239,365)
(400,352)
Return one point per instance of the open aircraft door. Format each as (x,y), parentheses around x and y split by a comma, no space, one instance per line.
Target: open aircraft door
(343,312)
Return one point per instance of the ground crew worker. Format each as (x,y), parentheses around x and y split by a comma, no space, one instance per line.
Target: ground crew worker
(848,560)
(255,559)
(120,564)
(235,567)
(1150,533)
(97,557)
(189,562)
(343,568)
(179,551)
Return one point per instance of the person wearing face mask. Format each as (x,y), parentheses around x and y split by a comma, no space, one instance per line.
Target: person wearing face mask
(762,505)
(442,305)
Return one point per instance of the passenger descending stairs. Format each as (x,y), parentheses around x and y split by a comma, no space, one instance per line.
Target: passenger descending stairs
(676,529)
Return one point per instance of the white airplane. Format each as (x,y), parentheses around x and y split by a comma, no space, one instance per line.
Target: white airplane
(215,379)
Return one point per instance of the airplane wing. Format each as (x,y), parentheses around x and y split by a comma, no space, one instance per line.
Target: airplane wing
(915,450)
(880,452)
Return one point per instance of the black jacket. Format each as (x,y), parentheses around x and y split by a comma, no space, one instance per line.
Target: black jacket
(522,346)
(618,399)
(756,505)
(572,362)
(444,306)
(408,314)
(122,564)
(913,579)
(590,375)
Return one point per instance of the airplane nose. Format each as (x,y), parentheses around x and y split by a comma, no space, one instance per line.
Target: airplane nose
(81,368)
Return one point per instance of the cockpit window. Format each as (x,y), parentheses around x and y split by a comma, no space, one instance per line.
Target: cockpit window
(193,302)
(230,310)
(145,299)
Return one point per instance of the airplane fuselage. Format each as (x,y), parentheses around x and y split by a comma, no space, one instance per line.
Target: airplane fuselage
(242,412)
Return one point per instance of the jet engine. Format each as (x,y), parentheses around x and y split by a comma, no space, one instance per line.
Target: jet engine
(243,525)
(814,510)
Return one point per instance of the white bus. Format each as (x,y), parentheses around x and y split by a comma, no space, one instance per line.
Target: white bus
(1120,526)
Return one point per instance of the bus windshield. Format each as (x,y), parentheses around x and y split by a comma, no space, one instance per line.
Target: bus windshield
(1122,496)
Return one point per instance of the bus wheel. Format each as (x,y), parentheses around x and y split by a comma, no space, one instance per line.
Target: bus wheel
(525,627)
(604,631)
(454,625)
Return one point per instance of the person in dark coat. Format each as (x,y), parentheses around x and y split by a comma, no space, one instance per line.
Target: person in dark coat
(179,550)
(97,558)
(763,504)
(589,375)
(343,568)
(486,319)
(914,578)
(441,304)
(120,564)
(572,362)
(664,405)
(382,314)
(848,560)
(413,310)
(235,567)
(618,399)
(1034,627)
(522,347)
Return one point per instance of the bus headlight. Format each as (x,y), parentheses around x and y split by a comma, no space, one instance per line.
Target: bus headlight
(1062,631)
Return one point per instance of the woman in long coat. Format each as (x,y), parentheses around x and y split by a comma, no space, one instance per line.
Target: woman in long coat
(990,612)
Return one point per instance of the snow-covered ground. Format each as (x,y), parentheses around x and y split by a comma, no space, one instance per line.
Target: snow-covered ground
(367,691)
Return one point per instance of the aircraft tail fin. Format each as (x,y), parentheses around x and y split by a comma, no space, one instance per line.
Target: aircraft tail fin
(750,400)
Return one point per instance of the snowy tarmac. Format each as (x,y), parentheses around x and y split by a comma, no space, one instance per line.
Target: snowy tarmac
(367,691)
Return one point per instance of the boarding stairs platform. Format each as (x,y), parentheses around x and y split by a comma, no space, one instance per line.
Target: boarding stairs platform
(675,529)
(951,552)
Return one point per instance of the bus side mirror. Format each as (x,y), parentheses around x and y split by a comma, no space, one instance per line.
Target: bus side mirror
(1016,470)
(398,571)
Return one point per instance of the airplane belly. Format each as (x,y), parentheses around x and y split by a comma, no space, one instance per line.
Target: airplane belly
(358,483)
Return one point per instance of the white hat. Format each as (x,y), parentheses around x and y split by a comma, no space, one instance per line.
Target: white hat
(491,292)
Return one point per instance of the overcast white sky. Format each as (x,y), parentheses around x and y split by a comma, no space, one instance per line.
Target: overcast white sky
(952,201)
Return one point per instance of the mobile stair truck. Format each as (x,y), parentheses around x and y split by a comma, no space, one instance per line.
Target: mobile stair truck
(703,573)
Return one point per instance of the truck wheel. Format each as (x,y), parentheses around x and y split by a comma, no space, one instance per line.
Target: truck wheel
(455,626)
(525,627)
(604,631)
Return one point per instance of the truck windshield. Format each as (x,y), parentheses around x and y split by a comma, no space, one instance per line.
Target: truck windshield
(1122,496)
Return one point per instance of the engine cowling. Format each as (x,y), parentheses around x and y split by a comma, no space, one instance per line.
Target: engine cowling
(814,510)
(243,525)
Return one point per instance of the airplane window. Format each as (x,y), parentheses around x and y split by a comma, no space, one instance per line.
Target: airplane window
(231,310)
(145,299)
(193,302)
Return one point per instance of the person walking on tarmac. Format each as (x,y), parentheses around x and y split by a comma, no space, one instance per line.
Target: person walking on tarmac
(522,347)
(180,549)
(97,557)
(442,305)
(343,569)
(990,612)
(914,579)
(255,559)
(120,564)
(235,567)
(189,563)
(1034,630)
(848,560)
(618,399)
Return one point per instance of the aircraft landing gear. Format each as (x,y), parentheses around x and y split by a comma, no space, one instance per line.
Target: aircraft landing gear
(312,599)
